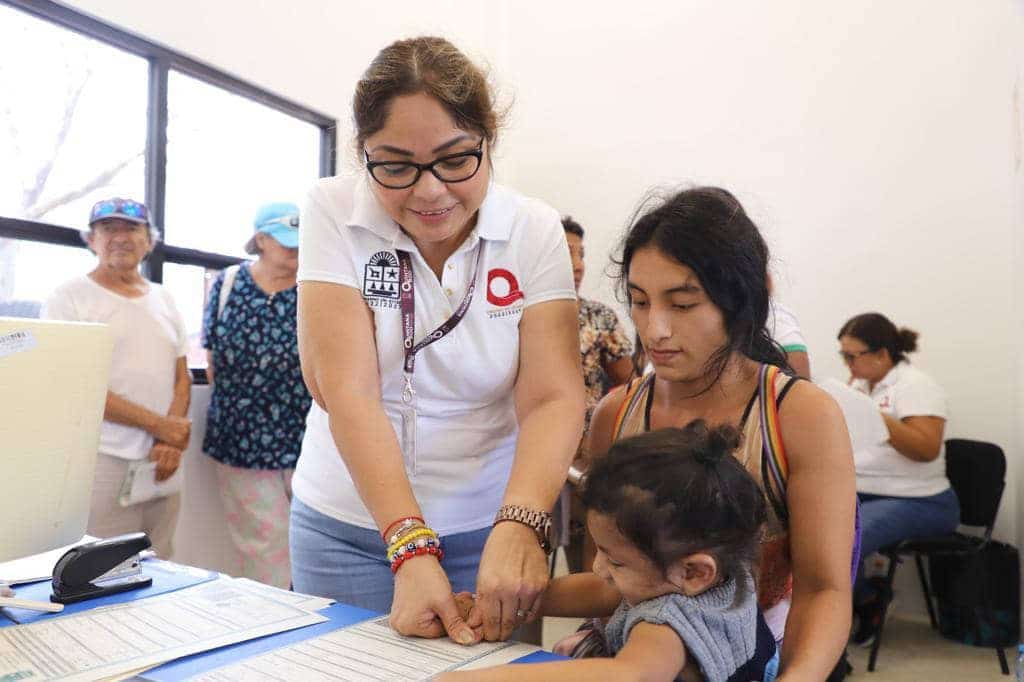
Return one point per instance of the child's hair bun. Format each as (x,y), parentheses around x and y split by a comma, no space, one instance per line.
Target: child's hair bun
(721,441)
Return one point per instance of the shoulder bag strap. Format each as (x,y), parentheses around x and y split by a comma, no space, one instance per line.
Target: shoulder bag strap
(225,288)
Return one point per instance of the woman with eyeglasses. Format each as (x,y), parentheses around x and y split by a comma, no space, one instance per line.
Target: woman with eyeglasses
(258,405)
(438,337)
(693,268)
(901,484)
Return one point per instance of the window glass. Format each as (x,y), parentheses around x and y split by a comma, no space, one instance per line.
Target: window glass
(190,287)
(35,270)
(72,121)
(227,155)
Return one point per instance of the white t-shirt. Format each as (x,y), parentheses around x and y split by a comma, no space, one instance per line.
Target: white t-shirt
(466,424)
(149,337)
(784,328)
(881,470)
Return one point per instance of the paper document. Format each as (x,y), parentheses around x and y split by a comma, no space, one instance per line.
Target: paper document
(306,602)
(140,484)
(863,418)
(114,640)
(32,569)
(370,650)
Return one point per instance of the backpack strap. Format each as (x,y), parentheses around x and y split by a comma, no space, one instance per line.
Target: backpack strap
(225,288)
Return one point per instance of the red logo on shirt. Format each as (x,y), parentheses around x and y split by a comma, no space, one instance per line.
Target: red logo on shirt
(511,283)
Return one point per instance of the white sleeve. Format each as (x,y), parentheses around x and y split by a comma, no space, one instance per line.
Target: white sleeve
(59,306)
(325,243)
(920,396)
(785,329)
(546,259)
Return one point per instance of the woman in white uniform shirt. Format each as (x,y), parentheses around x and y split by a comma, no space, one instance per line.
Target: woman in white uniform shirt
(406,440)
(901,484)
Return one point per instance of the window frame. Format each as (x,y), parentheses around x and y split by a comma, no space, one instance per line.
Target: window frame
(161,61)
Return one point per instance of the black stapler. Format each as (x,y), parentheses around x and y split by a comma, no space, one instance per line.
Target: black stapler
(100,568)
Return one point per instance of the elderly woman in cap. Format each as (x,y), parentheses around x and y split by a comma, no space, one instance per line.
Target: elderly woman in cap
(258,409)
(144,424)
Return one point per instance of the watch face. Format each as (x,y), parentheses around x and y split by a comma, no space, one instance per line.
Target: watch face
(549,534)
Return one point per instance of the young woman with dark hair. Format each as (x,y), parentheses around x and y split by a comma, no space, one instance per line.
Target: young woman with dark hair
(901,484)
(694,270)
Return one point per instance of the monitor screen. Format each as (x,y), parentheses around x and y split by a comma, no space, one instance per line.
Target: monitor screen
(53,387)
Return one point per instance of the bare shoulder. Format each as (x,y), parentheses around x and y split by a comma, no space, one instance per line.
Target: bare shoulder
(805,400)
(813,426)
(602,423)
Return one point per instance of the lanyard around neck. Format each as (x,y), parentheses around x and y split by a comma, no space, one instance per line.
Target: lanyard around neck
(407,303)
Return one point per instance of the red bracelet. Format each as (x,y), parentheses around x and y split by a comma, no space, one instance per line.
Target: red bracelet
(397,562)
(384,534)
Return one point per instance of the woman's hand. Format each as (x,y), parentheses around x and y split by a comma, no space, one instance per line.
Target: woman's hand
(167,458)
(172,430)
(424,606)
(512,577)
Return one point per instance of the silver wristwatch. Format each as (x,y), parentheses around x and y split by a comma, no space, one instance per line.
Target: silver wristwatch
(541,522)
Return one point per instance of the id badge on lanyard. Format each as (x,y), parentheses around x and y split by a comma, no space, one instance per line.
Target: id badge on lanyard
(407,303)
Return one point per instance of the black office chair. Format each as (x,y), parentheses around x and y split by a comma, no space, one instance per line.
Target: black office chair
(977,472)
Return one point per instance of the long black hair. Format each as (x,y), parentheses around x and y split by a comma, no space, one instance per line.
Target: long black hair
(707,230)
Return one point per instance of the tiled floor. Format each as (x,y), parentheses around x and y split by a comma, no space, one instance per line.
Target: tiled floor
(911,650)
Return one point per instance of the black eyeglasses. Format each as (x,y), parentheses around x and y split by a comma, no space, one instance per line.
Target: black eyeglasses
(448,169)
(850,357)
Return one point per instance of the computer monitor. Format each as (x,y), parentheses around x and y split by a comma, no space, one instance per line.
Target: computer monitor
(53,387)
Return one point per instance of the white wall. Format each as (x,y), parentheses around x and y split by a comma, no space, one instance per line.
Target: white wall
(877,143)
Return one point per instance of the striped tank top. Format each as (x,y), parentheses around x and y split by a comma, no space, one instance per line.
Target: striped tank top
(759,421)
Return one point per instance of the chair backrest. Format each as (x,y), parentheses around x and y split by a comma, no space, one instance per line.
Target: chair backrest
(977,472)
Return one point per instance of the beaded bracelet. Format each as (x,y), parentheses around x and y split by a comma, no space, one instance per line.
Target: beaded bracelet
(409,538)
(407,523)
(418,551)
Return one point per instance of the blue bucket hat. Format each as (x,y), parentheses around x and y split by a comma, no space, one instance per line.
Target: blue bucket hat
(279,220)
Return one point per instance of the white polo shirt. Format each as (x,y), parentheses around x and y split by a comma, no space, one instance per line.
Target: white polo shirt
(881,470)
(466,420)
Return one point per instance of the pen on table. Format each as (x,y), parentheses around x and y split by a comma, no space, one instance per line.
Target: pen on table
(30,604)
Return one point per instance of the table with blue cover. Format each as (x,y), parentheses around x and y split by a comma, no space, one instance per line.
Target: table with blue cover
(170,577)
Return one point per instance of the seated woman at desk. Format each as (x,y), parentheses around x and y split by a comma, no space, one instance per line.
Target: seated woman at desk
(901,484)
(150,382)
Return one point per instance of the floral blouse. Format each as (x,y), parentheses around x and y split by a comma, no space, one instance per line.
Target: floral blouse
(602,341)
(257,413)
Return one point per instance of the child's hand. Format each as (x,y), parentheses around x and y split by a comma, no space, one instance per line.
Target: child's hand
(464,602)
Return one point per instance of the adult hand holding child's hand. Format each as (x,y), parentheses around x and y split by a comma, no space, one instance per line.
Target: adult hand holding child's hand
(424,606)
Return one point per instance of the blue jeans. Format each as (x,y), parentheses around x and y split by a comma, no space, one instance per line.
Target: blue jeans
(348,563)
(887,520)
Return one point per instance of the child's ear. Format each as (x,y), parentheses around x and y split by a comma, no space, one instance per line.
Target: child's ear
(694,574)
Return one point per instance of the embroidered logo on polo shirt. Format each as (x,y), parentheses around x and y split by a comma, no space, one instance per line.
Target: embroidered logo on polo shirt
(380,277)
(503,291)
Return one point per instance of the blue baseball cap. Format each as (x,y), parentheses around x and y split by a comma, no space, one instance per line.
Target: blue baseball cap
(123,209)
(281,221)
